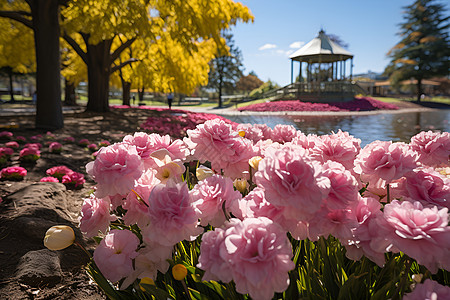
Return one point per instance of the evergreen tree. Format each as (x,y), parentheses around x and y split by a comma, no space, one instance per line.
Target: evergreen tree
(225,68)
(423,51)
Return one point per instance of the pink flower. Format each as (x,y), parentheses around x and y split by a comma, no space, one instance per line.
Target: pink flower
(255,252)
(433,147)
(136,202)
(13,173)
(426,186)
(419,231)
(292,181)
(12,145)
(172,216)
(5,153)
(49,179)
(58,172)
(83,142)
(20,139)
(95,215)
(340,147)
(212,141)
(73,180)
(115,253)
(146,144)
(429,290)
(37,146)
(104,143)
(344,188)
(369,238)
(29,154)
(283,133)
(115,169)
(251,132)
(381,162)
(69,139)
(55,147)
(6,135)
(235,165)
(92,147)
(209,196)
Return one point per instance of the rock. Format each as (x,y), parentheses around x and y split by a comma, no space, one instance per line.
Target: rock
(33,228)
(38,268)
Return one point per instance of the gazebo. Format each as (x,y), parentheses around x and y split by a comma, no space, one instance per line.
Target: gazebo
(325,69)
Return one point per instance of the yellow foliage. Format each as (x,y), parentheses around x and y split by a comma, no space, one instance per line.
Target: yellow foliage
(428,39)
(73,67)
(405,61)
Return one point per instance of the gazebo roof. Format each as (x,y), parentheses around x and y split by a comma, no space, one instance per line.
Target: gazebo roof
(321,49)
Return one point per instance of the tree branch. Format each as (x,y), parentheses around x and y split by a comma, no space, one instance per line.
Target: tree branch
(122,47)
(18,16)
(127,62)
(76,47)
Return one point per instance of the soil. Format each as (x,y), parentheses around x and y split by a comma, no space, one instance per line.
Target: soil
(29,208)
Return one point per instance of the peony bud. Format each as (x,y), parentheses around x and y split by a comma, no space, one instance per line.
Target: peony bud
(203,172)
(179,272)
(254,162)
(240,185)
(146,280)
(59,237)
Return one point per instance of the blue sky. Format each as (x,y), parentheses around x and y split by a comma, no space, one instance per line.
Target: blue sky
(369,27)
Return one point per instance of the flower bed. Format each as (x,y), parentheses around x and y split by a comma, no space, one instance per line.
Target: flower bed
(319,217)
(359,104)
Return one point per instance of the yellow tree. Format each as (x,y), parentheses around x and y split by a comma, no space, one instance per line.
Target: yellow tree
(16,50)
(73,70)
(42,16)
(100,22)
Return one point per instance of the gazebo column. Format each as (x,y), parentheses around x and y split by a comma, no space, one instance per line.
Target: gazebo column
(344,70)
(351,68)
(292,71)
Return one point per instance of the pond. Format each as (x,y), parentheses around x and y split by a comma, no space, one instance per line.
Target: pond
(398,127)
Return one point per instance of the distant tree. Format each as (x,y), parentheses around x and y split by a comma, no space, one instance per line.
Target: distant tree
(249,82)
(226,67)
(423,51)
(337,39)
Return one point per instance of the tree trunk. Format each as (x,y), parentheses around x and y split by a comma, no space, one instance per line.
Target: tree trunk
(45,15)
(99,68)
(220,91)
(419,89)
(11,89)
(126,88)
(69,95)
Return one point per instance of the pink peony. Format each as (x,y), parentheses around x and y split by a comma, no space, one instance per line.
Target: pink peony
(292,181)
(115,169)
(114,254)
(12,145)
(95,216)
(255,252)
(146,144)
(58,172)
(426,186)
(251,132)
(339,147)
(172,216)
(6,135)
(49,179)
(209,196)
(283,133)
(73,180)
(136,202)
(69,139)
(55,147)
(419,231)
(83,142)
(104,143)
(20,139)
(235,165)
(429,290)
(38,146)
(369,239)
(381,162)
(433,147)
(92,147)
(13,173)
(29,154)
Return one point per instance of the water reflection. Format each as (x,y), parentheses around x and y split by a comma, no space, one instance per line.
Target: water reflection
(395,127)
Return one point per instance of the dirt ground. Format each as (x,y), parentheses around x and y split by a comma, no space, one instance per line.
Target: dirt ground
(23,222)
(29,208)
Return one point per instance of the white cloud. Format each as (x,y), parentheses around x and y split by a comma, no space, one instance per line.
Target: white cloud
(267,46)
(289,52)
(296,45)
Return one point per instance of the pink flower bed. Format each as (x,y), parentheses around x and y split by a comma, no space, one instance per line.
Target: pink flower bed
(174,122)
(13,173)
(358,104)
